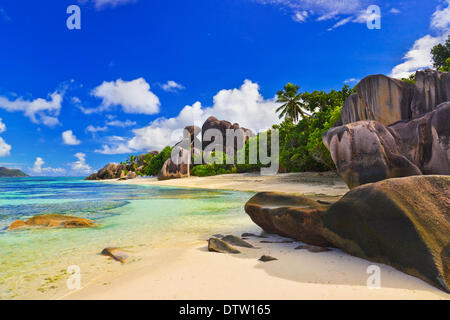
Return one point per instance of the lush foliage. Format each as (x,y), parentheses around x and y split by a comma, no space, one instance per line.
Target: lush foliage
(154,163)
(441,54)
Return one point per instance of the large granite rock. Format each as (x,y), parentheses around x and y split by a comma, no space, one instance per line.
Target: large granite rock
(52,221)
(402,222)
(425,141)
(379,98)
(289,216)
(179,167)
(110,171)
(365,152)
(432,88)
(222,126)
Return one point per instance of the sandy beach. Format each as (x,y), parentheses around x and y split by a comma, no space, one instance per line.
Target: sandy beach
(189,271)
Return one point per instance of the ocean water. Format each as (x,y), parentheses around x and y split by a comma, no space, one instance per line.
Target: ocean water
(33,263)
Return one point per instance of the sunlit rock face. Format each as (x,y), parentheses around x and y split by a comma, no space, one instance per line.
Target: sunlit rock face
(390,128)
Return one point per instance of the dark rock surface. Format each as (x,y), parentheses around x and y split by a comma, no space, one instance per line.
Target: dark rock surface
(403,222)
(110,171)
(236,241)
(289,216)
(217,245)
(265,258)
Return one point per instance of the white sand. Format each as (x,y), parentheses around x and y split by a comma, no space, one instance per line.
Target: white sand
(189,271)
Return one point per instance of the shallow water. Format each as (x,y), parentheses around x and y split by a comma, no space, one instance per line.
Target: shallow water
(33,263)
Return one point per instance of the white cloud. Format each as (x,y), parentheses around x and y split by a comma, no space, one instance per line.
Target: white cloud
(343,10)
(4,148)
(243,105)
(172,86)
(419,56)
(69,138)
(300,16)
(441,17)
(2,126)
(92,129)
(80,166)
(351,80)
(39,169)
(394,11)
(121,124)
(102,4)
(39,111)
(133,96)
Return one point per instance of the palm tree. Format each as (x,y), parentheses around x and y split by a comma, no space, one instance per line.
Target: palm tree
(293,105)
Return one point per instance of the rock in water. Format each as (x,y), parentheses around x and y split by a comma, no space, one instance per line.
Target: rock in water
(52,221)
(217,245)
(402,222)
(267,258)
(116,253)
(289,216)
(236,241)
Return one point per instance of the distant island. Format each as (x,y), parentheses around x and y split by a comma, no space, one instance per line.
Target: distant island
(11,173)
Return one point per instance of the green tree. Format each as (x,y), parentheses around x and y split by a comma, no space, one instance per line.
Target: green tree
(441,53)
(292,107)
(446,68)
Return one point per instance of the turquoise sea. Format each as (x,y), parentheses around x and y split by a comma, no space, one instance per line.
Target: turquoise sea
(33,263)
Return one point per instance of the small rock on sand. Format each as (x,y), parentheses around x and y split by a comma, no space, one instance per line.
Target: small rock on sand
(116,253)
(236,241)
(267,258)
(312,248)
(247,235)
(217,245)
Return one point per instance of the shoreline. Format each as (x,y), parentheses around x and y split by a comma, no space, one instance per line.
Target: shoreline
(189,271)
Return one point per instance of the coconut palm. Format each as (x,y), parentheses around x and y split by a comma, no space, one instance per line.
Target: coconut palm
(293,105)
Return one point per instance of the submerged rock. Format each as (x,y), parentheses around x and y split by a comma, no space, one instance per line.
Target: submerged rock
(217,245)
(236,241)
(403,222)
(265,258)
(289,216)
(117,254)
(52,221)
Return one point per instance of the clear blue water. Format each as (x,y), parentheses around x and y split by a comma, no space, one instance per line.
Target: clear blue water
(138,218)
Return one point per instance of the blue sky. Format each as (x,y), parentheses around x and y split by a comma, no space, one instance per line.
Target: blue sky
(73,100)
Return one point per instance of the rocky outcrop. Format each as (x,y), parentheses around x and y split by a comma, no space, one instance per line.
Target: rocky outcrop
(241,134)
(52,221)
(289,216)
(432,88)
(405,129)
(236,241)
(379,98)
(425,141)
(389,100)
(179,167)
(365,152)
(403,222)
(110,171)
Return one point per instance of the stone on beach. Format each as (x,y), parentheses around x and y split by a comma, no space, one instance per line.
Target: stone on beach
(52,221)
(265,258)
(217,245)
(290,216)
(236,241)
(403,222)
(117,254)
